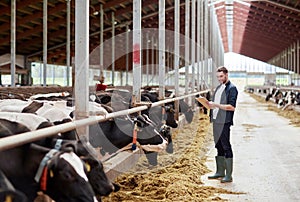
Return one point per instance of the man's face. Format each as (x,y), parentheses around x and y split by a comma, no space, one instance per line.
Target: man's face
(222,77)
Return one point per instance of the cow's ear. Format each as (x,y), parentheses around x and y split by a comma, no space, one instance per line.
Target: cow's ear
(69,147)
(51,173)
(87,166)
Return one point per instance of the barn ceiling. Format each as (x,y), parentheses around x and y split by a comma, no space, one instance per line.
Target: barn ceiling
(258,29)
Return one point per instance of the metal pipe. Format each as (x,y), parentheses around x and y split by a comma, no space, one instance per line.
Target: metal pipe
(198,42)
(45,32)
(147,59)
(162,48)
(177,52)
(101,41)
(152,59)
(13,43)
(193,44)
(68,45)
(136,45)
(113,48)
(82,62)
(187,45)
(298,57)
(127,53)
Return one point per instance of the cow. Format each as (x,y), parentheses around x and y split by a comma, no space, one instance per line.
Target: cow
(114,134)
(59,174)
(183,106)
(29,122)
(97,178)
(289,99)
(277,94)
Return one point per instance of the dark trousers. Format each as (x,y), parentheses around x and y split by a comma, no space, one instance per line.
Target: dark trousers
(222,139)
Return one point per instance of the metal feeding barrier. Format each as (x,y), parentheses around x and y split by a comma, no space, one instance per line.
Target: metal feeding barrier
(23,138)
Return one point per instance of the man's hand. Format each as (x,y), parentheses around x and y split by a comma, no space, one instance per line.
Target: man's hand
(211,105)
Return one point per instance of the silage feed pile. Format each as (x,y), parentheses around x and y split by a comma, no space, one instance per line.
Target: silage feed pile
(177,177)
(289,113)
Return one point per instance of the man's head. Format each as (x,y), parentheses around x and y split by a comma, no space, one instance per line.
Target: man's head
(102,78)
(222,74)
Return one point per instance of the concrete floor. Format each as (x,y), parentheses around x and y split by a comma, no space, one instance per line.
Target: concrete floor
(266,155)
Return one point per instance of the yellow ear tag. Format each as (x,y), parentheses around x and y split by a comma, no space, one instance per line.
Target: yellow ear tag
(51,173)
(88,167)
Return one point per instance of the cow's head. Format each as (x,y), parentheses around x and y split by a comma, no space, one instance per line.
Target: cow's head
(67,179)
(186,110)
(94,168)
(166,133)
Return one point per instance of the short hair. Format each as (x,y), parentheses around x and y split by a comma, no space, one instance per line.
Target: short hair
(222,69)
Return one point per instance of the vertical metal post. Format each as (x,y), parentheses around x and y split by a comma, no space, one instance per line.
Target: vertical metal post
(45,32)
(127,53)
(13,43)
(193,43)
(176,52)
(202,42)
(205,73)
(198,42)
(68,45)
(187,44)
(298,57)
(152,59)
(167,54)
(113,48)
(101,42)
(162,54)
(147,58)
(81,62)
(136,57)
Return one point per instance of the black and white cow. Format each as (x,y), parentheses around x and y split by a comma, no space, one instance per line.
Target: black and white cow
(276,94)
(289,98)
(25,122)
(59,174)
(115,134)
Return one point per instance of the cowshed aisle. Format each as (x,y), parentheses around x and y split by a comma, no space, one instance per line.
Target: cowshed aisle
(266,155)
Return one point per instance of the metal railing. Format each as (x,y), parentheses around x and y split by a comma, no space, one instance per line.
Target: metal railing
(23,138)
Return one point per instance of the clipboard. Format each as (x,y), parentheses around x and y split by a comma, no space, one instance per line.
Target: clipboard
(203,101)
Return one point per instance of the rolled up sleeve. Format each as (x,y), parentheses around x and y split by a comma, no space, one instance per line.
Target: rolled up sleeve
(233,93)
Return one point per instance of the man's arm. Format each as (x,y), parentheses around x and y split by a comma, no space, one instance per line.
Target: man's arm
(226,107)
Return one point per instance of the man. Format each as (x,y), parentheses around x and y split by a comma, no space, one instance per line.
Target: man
(222,111)
(101,86)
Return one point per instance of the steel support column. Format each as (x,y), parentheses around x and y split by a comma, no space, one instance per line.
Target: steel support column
(298,57)
(82,62)
(187,44)
(162,52)
(13,43)
(127,53)
(152,60)
(206,42)
(176,53)
(68,45)
(147,58)
(101,42)
(45,32)
(198,42)
(193,24)
(113,48)
(136,57)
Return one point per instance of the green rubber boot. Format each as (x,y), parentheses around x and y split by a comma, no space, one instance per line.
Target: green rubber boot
(220,162)
(229,165)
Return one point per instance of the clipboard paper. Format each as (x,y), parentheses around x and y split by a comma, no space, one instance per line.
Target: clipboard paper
(203,101)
